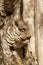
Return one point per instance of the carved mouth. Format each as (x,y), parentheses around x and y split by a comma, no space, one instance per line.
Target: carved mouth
(23,40)
(26,41)
(22,43)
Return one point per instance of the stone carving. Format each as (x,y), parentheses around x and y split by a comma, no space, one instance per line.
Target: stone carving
(15,34)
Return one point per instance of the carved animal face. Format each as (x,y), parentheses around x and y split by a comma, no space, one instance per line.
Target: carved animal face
(24,29)
(18,33)
(24,32)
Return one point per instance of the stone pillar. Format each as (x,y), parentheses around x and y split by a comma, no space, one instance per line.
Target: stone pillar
(41,33)
(39,29)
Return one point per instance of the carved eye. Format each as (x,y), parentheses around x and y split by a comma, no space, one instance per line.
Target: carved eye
(22,29)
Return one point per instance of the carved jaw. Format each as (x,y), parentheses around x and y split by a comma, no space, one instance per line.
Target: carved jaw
(21,43)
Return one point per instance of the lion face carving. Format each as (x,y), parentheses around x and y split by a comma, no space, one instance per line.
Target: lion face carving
(17,34)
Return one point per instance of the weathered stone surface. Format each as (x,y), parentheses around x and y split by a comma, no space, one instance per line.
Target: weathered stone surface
(17,34)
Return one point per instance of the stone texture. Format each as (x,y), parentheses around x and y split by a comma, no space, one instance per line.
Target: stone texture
(27,53)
